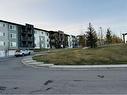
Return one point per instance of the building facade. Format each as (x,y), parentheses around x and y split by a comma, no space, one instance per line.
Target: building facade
(54,39)
(26,36)
(70,41)
(41,39)
(81,39)
(74,42)
(15,36)
(8,38)
(58,39)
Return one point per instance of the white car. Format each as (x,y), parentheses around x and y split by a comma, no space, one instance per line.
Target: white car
(22,52)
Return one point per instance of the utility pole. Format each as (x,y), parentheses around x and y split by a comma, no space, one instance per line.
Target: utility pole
(101,35)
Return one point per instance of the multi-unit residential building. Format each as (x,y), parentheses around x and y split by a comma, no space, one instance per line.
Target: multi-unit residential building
(58,39)
(26,36)
(54,41)
(16,36)
(70,41)
(41,39)
(8,38)
(81,40)
(74,42)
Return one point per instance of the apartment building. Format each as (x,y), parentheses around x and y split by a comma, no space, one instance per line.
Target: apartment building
(70,41)
(8,38)
(26,36)
(58,39)
(66,40)
(54,39)
(16,36)
(41,39)
(81,39)
(74,42)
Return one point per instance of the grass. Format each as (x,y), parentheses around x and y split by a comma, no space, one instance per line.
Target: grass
(113,54)
(39,50)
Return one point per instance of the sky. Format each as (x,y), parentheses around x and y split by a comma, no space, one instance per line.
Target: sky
(70,16)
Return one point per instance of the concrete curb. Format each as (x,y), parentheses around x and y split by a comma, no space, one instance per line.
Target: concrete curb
(30,62)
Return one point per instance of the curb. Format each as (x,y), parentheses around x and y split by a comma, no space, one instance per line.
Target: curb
(30,62)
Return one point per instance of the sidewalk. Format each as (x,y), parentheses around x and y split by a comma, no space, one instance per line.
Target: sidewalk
(30,62)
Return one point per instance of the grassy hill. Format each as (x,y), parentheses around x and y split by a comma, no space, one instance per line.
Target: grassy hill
(112,54)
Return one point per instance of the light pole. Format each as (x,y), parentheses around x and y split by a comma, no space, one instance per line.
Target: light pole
(101,35)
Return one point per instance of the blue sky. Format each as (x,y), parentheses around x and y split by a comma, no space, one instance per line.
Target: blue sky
(71,16)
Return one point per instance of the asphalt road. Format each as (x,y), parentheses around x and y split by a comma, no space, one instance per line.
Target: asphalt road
(16,78)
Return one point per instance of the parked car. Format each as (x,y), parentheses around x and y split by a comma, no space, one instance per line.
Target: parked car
(22,52)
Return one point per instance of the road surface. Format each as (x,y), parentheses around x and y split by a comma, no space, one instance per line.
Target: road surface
(16,78)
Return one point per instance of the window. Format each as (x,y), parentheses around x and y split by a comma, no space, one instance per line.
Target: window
(35,32)
(2,34)
(13,44)
(2,43)
(47,45)
(47,34)
(3,25)
(41,32)
(12,27)
(13,35)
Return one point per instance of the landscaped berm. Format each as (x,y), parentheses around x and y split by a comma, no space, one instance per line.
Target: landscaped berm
(112,54)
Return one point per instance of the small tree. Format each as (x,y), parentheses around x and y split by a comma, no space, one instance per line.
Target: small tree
(109,36)
(91,37)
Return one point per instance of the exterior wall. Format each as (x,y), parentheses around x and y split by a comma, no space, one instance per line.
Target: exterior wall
(66,40)
(9,53)
(125,38)
(74,42)
(41,39)
(26,36)
(2,53)
(8,39)
(70,42)
(81,41)
(61,39)
(54,39)
(58,39)
(4,36)
(13,36)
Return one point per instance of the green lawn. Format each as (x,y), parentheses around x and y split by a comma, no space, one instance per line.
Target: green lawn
(113,54)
